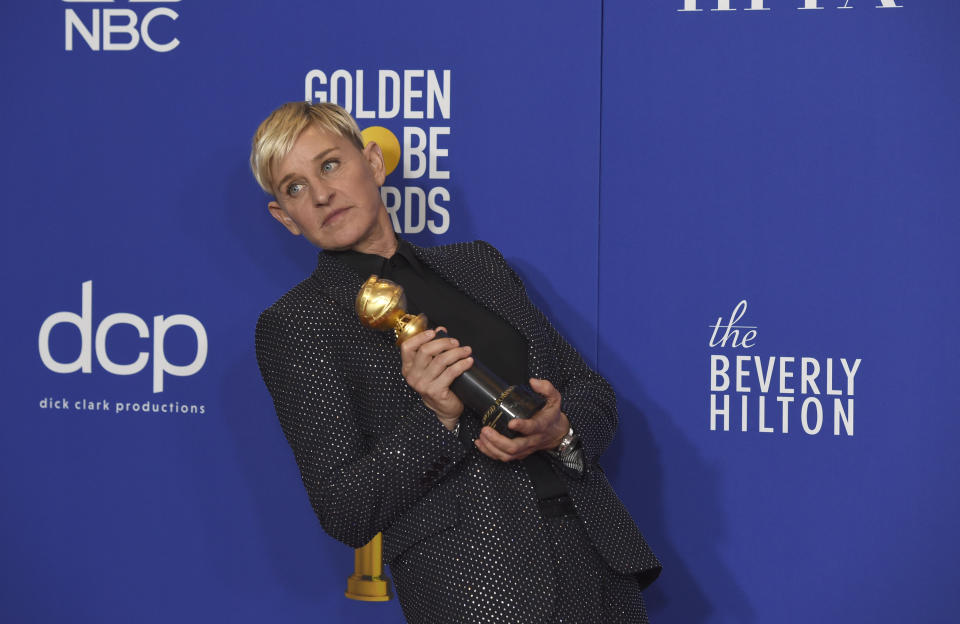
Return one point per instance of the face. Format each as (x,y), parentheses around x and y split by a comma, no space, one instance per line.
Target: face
(329,191)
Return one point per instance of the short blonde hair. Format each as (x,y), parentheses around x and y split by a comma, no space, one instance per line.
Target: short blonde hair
(276,135)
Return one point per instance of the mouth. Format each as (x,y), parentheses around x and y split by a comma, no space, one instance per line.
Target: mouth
(334,216)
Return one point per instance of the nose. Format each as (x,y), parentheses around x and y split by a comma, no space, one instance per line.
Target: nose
(320,192)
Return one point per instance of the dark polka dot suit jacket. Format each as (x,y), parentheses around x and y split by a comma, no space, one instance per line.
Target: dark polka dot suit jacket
(462,533)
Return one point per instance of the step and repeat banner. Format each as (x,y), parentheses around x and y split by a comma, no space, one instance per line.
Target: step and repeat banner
(143,472)
(742,212)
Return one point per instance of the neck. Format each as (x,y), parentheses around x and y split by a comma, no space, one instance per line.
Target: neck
(382,242)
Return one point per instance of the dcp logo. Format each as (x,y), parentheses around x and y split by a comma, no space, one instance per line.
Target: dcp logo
(84,361)
(118,29)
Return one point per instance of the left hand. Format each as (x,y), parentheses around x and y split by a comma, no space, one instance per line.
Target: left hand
(542,431)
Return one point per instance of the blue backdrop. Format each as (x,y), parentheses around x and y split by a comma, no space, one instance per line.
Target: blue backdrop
(726,210)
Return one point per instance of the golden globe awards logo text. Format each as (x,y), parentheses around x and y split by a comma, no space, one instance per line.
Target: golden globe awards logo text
(419,99)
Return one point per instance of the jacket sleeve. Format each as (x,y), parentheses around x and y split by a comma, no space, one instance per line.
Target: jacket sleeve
(588,400)
(357,487)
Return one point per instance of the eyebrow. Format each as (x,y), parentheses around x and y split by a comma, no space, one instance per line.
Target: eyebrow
(319,156)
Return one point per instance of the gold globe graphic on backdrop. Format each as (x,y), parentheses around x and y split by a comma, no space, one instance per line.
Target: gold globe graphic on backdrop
(388,143)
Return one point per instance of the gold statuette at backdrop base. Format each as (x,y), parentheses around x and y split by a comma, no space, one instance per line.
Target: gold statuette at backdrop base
(368,582)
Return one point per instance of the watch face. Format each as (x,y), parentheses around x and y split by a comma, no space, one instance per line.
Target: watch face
(568,442)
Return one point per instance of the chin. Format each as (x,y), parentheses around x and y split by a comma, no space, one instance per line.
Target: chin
(339,244)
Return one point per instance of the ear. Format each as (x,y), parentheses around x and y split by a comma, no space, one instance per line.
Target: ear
(374,156)
(281,215)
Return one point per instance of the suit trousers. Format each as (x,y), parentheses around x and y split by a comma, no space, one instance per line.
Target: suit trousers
(588,590)
(581,586)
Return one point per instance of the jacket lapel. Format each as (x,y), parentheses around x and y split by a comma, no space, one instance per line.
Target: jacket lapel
(341,283)
(456,265)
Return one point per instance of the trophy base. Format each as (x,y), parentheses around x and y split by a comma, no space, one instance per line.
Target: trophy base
(368,588)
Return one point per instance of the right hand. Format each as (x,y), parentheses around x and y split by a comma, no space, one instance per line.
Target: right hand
(430,365)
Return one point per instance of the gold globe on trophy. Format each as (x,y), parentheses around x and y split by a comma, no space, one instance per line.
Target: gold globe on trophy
(381,304)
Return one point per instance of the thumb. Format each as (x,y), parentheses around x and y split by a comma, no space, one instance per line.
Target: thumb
(544,387)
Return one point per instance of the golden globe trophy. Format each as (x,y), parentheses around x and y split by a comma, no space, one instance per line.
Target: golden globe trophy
(381,305)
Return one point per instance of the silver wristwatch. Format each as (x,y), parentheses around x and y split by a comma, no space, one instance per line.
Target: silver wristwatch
(568,443)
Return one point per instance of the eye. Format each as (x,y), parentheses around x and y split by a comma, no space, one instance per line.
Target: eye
(329,166)
(294,189)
